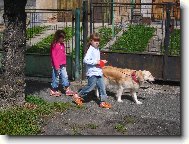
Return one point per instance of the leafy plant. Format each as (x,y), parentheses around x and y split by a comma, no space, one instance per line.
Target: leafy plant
(120,128)
(43,47)
(135,39)
(92,126)
(31,32)
(106,35)
(175,46)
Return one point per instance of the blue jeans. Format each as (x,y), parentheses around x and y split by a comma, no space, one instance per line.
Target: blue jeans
(92,82)
(56,74)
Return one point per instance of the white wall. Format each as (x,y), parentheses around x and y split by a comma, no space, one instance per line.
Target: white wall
(146,9)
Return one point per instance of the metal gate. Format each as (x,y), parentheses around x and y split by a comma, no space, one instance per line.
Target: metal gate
(41,26)
(161,56)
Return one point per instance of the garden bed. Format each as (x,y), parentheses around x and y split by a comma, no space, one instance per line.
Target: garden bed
(43,47)
(106,35)
(135,39)
(31,32)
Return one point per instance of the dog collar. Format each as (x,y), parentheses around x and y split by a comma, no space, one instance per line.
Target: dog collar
(133,75)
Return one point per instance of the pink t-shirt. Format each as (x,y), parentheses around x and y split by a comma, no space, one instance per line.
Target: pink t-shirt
(58,55)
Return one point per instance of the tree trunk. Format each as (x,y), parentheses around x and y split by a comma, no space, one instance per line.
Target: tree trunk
(14,45)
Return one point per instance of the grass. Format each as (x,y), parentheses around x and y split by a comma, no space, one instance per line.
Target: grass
(129,119)
(27,120)
(120,128)
(92,126)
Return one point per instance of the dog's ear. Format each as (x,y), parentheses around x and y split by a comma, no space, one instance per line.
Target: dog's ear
(140,76)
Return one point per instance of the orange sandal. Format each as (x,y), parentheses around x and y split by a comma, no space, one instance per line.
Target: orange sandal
(105,105)
(78,100)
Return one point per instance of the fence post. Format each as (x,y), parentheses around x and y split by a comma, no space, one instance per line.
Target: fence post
(167,39)
(91,16)
(85,33)
(113,31)
(132,7)
(77,44)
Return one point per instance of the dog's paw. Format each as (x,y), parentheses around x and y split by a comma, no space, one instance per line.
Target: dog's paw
(138,102)
(119,100)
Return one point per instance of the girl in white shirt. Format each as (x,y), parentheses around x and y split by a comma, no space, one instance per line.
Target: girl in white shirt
(94,73)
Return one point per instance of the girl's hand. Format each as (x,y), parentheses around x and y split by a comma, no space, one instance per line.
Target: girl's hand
(104,61)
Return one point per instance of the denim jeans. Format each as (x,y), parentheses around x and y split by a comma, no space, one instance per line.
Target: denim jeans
(56,74)
(92,82)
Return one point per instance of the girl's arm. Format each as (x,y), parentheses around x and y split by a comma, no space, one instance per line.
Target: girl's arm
(54,56)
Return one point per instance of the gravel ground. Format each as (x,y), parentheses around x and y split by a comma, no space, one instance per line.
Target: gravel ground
(160,113)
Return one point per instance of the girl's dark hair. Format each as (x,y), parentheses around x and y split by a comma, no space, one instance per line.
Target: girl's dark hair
(58,34)
(94,36)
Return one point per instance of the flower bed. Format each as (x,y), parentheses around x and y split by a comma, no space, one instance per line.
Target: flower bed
(43,47)
(106,35)
(31,32)
(135,39)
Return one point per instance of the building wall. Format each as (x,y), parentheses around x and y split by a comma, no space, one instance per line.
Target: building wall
(69,4)
(159,12)
(31,4)
(146,10)
(122,14)
(46,4)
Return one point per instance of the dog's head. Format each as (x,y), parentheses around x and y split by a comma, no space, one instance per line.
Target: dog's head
(147,76)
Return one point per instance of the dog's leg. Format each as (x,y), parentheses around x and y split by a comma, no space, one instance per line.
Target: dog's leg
(97,92)
(119,94)
(135,97)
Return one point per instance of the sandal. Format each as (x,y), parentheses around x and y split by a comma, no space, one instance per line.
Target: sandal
(78,100)
(69,92)
(55,93)
(105,105)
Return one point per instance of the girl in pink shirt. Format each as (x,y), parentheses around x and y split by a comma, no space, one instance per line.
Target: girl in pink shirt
(58,59)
